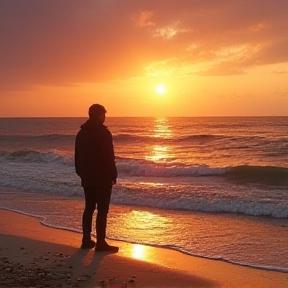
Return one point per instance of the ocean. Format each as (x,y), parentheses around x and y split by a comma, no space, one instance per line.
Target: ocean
(214,187)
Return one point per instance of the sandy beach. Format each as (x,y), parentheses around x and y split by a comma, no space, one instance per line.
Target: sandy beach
(33,255)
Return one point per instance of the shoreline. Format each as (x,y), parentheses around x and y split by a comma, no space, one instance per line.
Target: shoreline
(42,221)
(265,268)
(24,241)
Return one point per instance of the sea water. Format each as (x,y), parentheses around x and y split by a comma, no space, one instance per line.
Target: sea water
(211,187)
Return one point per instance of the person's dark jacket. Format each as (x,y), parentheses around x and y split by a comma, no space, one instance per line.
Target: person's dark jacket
(94,154)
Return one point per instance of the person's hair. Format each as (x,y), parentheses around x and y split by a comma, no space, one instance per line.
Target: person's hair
(96,110)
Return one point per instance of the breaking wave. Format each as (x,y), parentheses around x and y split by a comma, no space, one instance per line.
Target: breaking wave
(144,168)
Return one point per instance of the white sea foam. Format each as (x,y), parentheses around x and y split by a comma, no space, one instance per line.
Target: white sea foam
(168,187)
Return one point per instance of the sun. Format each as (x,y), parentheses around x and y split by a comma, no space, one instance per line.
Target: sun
(160,89)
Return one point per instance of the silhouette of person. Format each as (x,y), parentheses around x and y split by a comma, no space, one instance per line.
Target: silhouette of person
(95,165)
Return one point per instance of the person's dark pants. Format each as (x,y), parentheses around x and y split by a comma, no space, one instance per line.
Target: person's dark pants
(96,195)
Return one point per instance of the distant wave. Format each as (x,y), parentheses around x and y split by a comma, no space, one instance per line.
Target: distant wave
(52,156)
(127,137)
(202,137)
(195,138)
(236,142)
(184,139)
(44,137)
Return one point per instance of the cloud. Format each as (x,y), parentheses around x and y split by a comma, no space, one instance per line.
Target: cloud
(144,19)
(280,72)
(221,70)
(67,42)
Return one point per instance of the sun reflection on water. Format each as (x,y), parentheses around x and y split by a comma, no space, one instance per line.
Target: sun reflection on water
(158,154)
(162,128)
(161,152)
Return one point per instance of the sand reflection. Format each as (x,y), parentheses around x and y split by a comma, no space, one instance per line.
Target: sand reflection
(138,252)
(142,224)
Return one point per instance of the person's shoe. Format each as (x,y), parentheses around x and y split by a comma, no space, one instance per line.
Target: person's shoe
(106,247)
(88,244)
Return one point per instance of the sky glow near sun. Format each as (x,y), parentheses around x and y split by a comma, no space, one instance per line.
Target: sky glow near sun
(217,59)
(160,89)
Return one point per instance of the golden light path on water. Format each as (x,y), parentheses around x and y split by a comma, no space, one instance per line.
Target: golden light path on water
(141,223)
(146,220)
(162,128)
(161,153)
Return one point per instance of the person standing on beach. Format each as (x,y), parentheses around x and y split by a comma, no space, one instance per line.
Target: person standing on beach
(95,165)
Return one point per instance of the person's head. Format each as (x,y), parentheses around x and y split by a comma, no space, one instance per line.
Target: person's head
(97,111)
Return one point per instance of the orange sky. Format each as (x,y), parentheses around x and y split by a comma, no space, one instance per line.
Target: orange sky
(214,57)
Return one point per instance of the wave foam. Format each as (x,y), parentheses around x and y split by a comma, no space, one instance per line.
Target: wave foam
(52,156)
(144,168)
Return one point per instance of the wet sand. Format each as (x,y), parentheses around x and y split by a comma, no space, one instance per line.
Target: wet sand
(33,255)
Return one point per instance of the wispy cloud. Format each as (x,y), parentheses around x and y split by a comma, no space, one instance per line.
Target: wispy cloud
(69,41)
